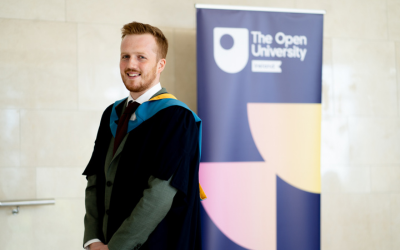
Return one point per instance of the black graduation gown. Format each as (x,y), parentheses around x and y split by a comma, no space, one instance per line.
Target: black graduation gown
(164,145)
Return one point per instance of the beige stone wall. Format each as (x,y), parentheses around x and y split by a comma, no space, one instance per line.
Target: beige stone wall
(59,70)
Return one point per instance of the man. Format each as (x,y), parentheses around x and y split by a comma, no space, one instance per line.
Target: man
(143,189)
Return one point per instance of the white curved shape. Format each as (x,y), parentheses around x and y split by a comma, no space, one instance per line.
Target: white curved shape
(231,60)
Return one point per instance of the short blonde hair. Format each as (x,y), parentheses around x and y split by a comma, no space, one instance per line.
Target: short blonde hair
(136,28)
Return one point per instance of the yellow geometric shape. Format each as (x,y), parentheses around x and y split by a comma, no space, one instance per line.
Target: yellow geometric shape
(288,136)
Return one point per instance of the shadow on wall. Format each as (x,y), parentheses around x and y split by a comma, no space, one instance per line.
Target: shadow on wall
(179,76)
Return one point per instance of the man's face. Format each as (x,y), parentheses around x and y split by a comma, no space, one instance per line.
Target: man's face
(139,67)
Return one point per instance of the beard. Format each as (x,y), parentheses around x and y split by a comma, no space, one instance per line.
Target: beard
(145,80)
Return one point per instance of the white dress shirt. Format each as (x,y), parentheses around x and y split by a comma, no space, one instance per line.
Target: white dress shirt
(145,97)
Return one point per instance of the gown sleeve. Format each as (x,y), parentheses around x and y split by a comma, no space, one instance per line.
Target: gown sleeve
(177,146)
(92,218)
(95,175)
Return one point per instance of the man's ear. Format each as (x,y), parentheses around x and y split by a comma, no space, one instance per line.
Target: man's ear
(161,65)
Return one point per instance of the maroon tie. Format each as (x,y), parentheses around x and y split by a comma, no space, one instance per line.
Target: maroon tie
(123,123)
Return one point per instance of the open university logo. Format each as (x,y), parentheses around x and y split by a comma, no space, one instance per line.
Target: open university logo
(231,48)
(231,51)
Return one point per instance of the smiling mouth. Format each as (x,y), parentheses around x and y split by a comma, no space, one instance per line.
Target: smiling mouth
(132,74)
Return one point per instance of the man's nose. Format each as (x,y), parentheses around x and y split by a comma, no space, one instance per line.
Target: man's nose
(132,63)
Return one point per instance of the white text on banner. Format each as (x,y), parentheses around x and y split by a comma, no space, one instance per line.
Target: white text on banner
(266,66)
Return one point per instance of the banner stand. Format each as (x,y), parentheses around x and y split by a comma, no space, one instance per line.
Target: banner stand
(259,78)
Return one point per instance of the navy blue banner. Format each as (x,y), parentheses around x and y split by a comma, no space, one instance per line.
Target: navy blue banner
(259,97)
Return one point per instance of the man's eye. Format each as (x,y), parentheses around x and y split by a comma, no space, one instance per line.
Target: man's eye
(142,57)
(125,57)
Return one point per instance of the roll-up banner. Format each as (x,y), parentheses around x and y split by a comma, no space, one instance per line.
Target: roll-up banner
(259,96)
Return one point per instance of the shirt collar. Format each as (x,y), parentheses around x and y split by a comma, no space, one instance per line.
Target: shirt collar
(147,95)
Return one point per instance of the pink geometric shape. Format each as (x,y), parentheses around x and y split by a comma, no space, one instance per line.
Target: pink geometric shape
(242,201)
